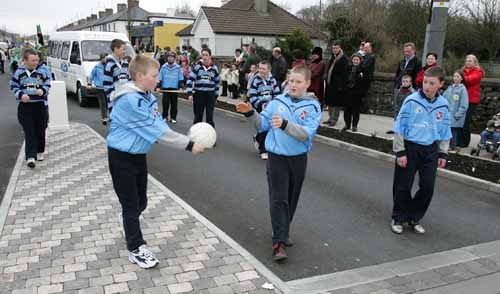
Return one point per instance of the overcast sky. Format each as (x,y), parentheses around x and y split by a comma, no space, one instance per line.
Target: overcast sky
(22,16)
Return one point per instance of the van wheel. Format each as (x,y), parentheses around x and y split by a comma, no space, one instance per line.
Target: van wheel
(82,101)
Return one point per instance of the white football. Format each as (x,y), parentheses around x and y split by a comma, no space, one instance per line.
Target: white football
(203,134)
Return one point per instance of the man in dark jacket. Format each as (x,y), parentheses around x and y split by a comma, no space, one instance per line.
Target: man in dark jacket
(279,66)
(336,82)
(410,65)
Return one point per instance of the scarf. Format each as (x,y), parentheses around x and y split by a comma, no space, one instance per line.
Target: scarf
(330,69)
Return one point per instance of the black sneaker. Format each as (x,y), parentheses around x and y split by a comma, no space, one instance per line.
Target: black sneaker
(354,129)
(389,132)
(288,243)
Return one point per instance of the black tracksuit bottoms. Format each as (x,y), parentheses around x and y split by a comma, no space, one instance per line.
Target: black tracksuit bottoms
(170,100)
(421,159)
(129,173)
(33,117)
(285,175)
(204,101)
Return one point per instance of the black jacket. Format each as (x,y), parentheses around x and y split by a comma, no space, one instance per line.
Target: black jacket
(336,85)
(411,69)
(279,67)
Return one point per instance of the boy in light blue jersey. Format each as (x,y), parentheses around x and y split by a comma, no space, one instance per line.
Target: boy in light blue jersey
(292,120)
(171,79)
(422,134)
(97,80)
(135,125)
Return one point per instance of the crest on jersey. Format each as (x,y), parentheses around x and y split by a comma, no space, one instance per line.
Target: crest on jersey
(439,116)
(303,115)
(281,109)
(419,110)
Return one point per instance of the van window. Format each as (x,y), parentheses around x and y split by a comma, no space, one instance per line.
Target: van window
(58,50)
(75,54)
(49,48)
(91,49)
(65,50)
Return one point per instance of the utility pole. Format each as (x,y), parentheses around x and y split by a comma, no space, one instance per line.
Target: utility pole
(435,33)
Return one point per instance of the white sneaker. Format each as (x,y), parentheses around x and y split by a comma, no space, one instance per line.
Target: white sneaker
(143,257)
(396,227)
(418,228)
(40,156)
(174,121)
(31,162)
(264,156)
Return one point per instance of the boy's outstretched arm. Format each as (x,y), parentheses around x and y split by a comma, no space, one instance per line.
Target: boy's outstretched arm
(255,119)
(180,141)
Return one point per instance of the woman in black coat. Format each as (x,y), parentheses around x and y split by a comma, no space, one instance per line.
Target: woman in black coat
(355,90)
(336,82)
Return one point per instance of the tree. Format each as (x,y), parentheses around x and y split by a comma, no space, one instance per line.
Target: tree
(185,9)
(406,21)
(298,39)
(312,16)
(485,18)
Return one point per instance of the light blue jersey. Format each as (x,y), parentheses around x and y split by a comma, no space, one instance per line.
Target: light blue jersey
(135,122)
(300,114)
(97,75)
(423,122)
(170,76)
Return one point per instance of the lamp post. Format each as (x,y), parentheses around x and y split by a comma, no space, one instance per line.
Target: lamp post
(435,34)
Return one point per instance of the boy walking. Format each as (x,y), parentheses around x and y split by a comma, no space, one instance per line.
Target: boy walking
(292,120)
(115,71)
(135,125)
(97,80)
(30,86)
(171,79)
(422,135)
(204,79)
(262,90)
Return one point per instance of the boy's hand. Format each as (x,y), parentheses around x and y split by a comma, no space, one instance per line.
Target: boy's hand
(244,107)
(157,90)
(441,163)
(402,161)
(276,121)
(190,98)
(39,92)
(198,149)
(25,98)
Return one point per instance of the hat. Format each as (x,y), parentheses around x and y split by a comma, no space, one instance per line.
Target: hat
(170,53)
(317,51)
(490,124)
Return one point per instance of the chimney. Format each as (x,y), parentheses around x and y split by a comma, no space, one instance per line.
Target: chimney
(89,18)
(81,21)
(102,14)
(93,16)
(121,7)
(133,3)
(109,11)
(260,6)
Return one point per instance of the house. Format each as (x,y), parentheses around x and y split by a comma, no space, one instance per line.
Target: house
(144,27)
(239,22)
(131,15)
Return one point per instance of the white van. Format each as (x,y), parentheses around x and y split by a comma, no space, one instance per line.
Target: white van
(72,55)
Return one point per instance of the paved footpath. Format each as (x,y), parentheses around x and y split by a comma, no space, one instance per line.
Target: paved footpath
(61,232)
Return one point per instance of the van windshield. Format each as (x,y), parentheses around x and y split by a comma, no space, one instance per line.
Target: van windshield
(92,49)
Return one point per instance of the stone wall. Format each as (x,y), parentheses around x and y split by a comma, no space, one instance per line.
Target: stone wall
(379,99)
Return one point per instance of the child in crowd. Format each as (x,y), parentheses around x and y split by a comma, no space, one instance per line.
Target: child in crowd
(400,95)
(458,103)
(354,94)
(224,75)
(249,76)
(96,80)
(234,81)
(490,133)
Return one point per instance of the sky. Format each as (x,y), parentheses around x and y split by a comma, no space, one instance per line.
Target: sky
(22,16)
